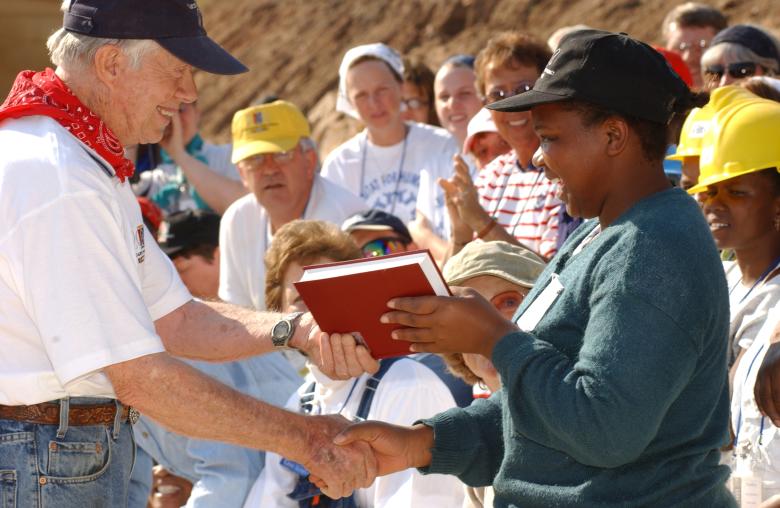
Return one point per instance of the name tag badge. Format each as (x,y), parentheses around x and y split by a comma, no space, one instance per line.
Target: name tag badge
(536,311)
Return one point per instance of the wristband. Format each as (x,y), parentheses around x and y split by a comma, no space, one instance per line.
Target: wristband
(487,229)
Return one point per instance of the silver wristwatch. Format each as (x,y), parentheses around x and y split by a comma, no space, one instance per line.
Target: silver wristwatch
(283,330)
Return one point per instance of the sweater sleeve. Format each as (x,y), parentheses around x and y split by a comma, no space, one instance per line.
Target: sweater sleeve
(475,460)
(604,406)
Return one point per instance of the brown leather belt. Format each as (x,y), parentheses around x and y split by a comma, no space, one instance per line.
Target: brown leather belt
(48,413)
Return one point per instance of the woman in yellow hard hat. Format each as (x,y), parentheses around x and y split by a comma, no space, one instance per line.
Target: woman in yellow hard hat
(740,187)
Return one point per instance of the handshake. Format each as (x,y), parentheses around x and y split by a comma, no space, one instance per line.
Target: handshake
(342,456)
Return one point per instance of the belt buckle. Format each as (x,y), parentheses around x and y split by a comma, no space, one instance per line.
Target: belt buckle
(133,415)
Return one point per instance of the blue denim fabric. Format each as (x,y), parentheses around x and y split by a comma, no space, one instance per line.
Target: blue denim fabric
(84,467)
(222,474)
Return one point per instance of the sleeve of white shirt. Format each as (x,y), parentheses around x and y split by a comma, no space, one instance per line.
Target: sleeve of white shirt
(82,285)
(232,286)
(408,393)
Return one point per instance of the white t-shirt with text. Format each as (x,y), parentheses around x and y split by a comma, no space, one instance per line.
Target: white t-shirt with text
(388,177)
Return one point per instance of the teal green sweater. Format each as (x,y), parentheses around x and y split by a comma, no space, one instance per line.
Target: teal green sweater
(619,396)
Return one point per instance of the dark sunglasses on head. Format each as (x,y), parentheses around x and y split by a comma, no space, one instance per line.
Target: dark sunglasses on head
(736,70)
(383,246)
(497,95)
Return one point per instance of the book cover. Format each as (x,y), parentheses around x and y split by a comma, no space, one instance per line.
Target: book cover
(350,296)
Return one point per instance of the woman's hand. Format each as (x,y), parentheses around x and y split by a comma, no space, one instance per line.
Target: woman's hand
(465,323)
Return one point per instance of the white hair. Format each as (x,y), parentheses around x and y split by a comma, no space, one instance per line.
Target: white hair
(76,51)
(308,144)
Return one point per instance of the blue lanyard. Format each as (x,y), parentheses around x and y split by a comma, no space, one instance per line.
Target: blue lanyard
(739,417)
(764,275)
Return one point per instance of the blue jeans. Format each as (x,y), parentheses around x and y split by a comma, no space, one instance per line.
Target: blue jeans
(46,466)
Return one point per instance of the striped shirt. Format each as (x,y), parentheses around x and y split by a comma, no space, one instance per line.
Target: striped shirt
(524,202)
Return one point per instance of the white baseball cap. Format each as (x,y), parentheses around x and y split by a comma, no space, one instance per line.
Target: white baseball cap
(481,122)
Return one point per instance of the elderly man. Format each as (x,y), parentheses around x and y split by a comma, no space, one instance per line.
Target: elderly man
(277,161)
(91,309)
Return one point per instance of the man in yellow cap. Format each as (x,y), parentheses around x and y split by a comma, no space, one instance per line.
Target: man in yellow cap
(278,163)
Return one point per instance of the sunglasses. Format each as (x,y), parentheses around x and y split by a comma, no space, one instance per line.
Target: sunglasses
(736,70)
(383,246)
(498,94)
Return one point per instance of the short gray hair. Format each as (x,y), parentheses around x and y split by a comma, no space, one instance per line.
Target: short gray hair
(733,52)
(308,144)
(75,51)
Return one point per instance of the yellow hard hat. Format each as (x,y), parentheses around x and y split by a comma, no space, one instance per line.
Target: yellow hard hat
(743,139)
(699,120)
(268,128)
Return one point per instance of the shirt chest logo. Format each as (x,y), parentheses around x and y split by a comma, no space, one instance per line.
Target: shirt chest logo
(138,240)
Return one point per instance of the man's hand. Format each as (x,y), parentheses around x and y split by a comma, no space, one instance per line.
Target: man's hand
(395,447)
(337,470)
(338,356)
(465,323)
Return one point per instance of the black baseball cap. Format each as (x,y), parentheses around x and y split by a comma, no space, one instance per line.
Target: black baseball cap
(176,25)
(610,70)
(188,229)
(376,220)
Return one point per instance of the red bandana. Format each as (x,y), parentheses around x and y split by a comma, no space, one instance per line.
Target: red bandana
(43,93)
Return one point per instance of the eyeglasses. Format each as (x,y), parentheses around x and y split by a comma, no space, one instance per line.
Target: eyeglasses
(685,46)
(383,246)
(279,158)
(498,94)
(736,70)
(415,103)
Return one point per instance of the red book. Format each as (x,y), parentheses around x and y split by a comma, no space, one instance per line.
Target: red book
(350,296)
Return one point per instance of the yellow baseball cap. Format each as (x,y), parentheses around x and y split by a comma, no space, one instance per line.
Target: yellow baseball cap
(267,128)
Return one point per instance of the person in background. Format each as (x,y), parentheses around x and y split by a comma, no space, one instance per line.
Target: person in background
(194,472)
(194,174)
(739,188)
(404,390)
(688,30)
(502,274)
(510,199)
(483,141)
(763,86)
(615,390)
(191,239)
(382,164)
(457,100)
(278,163)
(417,93)
(739,52)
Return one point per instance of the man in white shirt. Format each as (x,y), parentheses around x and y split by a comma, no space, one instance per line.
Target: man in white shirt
(278,163)
(91,310)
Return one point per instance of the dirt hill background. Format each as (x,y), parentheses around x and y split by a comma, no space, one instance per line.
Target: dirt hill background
(293,47)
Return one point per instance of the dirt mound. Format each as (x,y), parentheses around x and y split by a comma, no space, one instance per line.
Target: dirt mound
(294,47)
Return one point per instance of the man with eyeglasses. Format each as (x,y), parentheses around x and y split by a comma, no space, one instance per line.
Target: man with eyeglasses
(510,199)
(688,30)
(278,163)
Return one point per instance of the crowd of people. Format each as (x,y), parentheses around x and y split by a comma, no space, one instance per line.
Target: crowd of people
(606,213)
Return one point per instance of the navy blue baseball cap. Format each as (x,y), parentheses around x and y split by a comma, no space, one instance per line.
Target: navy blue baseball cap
(176,25)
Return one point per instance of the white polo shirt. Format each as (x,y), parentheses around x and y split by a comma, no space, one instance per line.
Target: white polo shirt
(81,280)
(245,234)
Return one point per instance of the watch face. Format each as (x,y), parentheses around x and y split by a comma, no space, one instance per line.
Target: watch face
(281,330)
